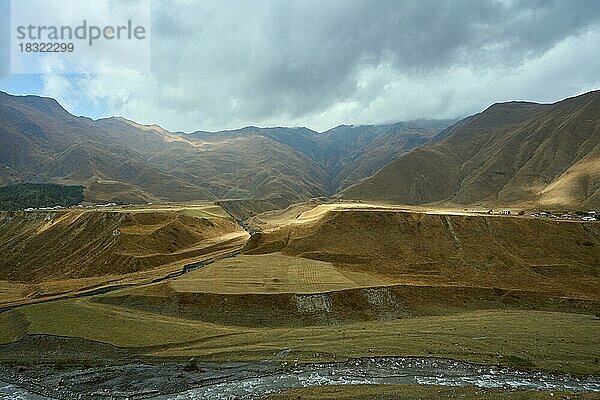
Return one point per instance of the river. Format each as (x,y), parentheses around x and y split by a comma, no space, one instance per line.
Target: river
(255,380)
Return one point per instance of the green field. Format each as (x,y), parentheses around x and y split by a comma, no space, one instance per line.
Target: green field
(525,339)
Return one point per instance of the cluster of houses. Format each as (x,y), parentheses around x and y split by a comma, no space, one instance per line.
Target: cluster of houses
(77,206)
(501,212)
(576,216)
(44,208)
(588,216)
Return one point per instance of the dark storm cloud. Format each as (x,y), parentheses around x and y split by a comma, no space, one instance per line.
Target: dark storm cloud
(221,64)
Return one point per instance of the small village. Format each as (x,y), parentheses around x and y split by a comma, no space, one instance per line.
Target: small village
(572,216)
(581,216)
(70,207)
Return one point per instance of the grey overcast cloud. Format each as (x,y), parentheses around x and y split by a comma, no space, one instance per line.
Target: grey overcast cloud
(221,65)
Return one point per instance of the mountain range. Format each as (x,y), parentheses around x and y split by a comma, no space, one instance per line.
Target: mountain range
(123,161)
(514,153)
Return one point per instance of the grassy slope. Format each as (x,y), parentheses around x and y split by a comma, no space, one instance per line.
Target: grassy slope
(70,251)
(525,339)
(220,312)
(272,273)
(511,153)
(125,162)
(419,392)
(559,258)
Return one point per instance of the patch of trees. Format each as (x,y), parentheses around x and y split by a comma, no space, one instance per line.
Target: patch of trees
(36,195)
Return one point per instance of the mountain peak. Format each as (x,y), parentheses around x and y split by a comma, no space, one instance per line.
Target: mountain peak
(510,105)
(506,155)
(143,127)
(39,103)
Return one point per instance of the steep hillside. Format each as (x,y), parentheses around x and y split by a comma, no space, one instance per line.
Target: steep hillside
(543,155)
(337,264)
(44,143)
(333,160)
(347,153)
(318,282)
(356,152)
(120,160)
(405,247)
(47,253)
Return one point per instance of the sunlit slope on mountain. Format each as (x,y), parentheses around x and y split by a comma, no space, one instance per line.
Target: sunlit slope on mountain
(580,184)
(511,153)
(360,151)
(43,142)
(121,160)
(408,247)
(336,158)
(228,166)
(247,166)
(118,160)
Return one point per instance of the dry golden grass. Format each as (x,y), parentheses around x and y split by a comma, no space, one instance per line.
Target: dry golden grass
(251,307)
(272,273)
(15,294)
(444,248)
(312,212)
(374,262)
(572,186)
(511,153)
(11,292)
(67,252)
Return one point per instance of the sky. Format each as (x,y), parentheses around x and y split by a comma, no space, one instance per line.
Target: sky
(219,64)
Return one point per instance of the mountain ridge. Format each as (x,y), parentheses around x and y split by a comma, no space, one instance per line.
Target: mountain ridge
(513,153)
(120,160)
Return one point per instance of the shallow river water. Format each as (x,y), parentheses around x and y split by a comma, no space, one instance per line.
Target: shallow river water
(253,381)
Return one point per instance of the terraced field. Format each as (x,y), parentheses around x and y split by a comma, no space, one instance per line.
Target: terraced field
(49,255)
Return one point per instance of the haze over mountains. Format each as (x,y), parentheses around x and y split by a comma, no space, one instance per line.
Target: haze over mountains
(543,155)
(516,153)
(120,160)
